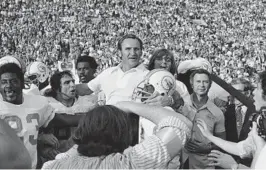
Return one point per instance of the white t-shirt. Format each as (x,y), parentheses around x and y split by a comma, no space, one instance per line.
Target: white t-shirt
(118,85)
(26,119)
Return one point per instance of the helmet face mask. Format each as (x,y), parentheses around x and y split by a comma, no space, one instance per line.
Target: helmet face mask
(34,79)
(37,72)
(158,80)
(144,93)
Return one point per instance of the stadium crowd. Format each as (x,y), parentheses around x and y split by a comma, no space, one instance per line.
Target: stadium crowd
(132,84)
(230,34)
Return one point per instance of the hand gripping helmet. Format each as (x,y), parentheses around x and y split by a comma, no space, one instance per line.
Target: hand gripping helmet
(157,80)
(37,71)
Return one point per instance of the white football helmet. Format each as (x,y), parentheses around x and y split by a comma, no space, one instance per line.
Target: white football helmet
(37,71)
(12,59)
(157,80)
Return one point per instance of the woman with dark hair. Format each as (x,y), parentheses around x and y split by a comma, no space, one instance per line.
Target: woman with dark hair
(164,59)
(104,137)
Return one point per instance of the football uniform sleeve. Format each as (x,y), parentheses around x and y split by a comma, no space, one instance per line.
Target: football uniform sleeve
(47,114)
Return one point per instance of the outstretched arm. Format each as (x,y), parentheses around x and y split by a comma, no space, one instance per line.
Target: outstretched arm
(173,136)
(227,146)
(152,113)
(65,120)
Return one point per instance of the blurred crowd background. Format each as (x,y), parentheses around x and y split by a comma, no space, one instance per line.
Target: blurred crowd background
(229,33)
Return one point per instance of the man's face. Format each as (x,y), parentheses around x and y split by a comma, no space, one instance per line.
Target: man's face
(201,84)
(131,53)
(85,72)
(259,101)
(68,87)
(11,88)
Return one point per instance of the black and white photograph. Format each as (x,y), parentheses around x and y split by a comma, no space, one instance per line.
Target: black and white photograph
(132,84)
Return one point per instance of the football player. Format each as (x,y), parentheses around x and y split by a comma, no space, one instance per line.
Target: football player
(12,59)
(23,113)
(63,98)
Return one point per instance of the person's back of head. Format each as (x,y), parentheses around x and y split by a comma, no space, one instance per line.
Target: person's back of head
(13,153)
(103,131)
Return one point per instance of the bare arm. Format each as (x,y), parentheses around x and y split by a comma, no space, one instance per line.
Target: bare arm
(227,146)
(83,89)
(65,120)
(221,135)
(152,113)
(156,114)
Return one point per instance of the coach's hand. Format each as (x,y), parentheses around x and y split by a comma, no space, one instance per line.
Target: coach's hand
(159,100)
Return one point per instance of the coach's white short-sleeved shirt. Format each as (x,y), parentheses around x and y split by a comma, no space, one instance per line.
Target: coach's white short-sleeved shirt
(118,85)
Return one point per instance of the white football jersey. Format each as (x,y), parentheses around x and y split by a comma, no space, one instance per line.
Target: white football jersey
(82,104)
(33,90)
(27,118)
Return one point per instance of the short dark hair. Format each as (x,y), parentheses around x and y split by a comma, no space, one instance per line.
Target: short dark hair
(55,82)
(88,59)
(103,130)
(13,68)
(161,53)
(200,71)
(129,36)
(262,80)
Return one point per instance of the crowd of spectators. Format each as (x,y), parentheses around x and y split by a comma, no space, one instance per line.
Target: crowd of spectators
(230,34)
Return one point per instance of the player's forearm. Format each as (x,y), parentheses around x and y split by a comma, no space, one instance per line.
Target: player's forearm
(64,120)
(154,113)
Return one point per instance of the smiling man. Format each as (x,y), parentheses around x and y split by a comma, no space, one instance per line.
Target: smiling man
(25,114)
(198,146)
(118,83)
